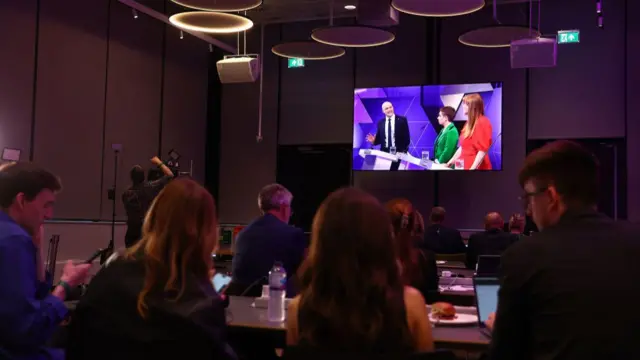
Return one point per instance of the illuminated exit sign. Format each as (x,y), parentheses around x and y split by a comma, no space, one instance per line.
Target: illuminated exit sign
(296,63)
(568,37)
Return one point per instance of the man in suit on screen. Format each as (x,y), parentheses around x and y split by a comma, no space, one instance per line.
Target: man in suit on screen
(392,133)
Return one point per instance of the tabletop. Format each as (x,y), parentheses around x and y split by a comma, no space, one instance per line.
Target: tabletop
(242,314)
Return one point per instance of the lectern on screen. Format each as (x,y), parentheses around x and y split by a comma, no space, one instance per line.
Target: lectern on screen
(427,128)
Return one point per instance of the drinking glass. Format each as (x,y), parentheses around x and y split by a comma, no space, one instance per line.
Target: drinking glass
(459,164)
(392,150)
(425,157)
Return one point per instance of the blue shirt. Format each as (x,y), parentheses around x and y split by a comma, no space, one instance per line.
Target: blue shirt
(29,314)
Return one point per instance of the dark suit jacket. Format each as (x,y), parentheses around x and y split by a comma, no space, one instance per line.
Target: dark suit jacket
(106,324)
(259,245)
(571,292)
(443,240)
(403,138)
(490,242)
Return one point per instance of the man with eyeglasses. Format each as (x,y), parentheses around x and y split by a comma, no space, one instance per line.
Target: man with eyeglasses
(569,291)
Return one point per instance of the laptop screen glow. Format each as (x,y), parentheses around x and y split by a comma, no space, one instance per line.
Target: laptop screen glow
(487,299)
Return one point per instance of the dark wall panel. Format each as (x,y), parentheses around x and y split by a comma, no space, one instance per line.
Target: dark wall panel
(582,97)
(70,101)
(633,123)
(185,98)
(317,100)
(400,63)
(16,72)
(133,98)
(469,196)
(247,165)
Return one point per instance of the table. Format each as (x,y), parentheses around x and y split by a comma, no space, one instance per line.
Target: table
(450,265)
(241,315)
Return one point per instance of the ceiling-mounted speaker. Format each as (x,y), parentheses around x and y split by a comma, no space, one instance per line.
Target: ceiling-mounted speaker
(534,53)
(238,69)
(377,13)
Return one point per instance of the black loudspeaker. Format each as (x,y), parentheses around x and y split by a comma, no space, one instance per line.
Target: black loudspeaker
(612,156)
(311,173)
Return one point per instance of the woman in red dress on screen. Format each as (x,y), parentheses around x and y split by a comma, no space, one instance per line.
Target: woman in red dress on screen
(475,138)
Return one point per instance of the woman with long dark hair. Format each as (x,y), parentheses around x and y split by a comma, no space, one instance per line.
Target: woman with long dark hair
(352,297)
(418,267)
(157,300)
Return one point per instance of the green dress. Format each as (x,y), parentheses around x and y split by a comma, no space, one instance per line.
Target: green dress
(446,144)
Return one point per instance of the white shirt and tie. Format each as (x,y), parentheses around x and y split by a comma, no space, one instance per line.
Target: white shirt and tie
(390,131)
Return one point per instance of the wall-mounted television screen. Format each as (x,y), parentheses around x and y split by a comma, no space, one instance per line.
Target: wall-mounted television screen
(432,127)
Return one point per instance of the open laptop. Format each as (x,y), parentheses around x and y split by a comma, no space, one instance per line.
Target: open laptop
(488,266)
(486,289)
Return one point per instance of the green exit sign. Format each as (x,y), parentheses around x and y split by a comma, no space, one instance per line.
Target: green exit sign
(568,37)
(296,63)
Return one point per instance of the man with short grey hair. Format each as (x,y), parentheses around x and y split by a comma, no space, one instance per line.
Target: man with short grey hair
(268,239)
(276,200)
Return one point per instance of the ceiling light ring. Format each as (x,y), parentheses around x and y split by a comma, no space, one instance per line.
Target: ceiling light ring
(390,35)
(252,5)
(337,51)
(475,5)
(500,44)
(178,21)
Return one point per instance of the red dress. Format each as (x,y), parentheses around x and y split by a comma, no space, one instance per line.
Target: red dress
(480,140)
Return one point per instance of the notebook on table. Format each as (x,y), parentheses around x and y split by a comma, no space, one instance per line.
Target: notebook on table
(486,289)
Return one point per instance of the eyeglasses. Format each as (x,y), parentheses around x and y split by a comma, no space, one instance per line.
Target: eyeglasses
(526,197)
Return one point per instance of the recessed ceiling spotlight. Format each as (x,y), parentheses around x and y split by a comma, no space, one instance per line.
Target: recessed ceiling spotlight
(350,7)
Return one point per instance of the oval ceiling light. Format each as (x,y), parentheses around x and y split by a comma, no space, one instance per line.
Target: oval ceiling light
(220,5)
(211,22)
(308,50)
(352,36)
(437,8)
(497,36)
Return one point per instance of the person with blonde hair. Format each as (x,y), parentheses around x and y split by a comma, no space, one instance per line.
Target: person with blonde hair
(476,136)
(157,300)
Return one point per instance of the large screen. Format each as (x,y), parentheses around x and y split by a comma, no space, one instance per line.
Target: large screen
(433,127)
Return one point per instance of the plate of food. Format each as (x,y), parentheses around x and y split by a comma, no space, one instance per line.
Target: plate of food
(443,313)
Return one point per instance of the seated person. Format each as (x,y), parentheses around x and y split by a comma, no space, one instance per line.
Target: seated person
(516,226)
(493,241)
(442,239)
(352,298)
(157,300)
(30,312)
(266,240)
(419,268)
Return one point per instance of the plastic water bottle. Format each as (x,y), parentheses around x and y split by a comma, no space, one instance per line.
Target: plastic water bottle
(277,291)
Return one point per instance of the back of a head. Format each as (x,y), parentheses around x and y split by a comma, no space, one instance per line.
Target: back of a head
(137,174)
(26,178)
(516,223)
(350,273)
(273,196)
(569,167)
(403,218)
(493,220)
(437,215)
(179,236)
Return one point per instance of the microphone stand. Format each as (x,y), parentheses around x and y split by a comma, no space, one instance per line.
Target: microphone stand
(112,196)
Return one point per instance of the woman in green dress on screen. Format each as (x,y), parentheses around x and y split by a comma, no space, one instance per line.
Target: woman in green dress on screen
(447,141)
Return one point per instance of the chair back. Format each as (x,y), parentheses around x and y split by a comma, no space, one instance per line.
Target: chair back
(306,353)
(462,257)
(52,254)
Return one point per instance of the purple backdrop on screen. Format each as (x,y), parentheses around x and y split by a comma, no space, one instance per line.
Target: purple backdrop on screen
(420,105)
